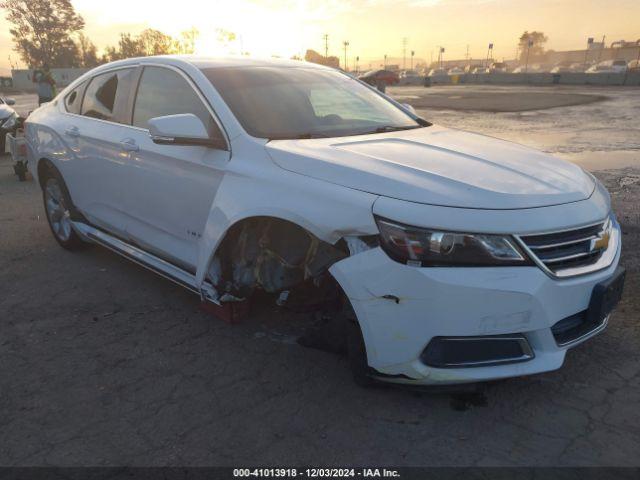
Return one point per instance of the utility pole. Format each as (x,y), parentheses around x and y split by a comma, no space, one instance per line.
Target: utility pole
(385,61)
(412,54)
(467,55)
(404,53)
(346,44)
(357,60)
(326,45)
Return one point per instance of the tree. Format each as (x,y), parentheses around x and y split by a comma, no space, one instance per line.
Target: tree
(315,57)
(42,31)
(537,41)
(154,42)
(87,52)
(128,47)
(186,44)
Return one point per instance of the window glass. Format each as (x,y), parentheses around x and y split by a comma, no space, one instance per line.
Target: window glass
(73,99)
(278,102)
(107,94)
(327,101)
(165,92)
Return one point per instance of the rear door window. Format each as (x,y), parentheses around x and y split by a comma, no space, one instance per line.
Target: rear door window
(107,95)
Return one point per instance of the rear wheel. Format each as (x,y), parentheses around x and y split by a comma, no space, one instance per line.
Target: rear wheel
(57,205)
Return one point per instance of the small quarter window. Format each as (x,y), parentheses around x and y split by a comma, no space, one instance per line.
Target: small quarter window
(73,99)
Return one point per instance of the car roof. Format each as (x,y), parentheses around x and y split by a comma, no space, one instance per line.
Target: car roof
(201,62)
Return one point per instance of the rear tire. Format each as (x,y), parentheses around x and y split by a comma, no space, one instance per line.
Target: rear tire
(57,205)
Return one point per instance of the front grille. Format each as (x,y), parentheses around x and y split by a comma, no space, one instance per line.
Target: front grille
(571,249)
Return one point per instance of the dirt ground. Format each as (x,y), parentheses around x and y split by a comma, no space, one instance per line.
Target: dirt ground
(104,363)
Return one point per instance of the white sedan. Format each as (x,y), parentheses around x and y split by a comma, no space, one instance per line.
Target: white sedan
(8,120)
(442,256)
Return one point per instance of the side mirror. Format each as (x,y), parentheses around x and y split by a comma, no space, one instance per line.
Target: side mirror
(182,129)
(9,101)
(410,108)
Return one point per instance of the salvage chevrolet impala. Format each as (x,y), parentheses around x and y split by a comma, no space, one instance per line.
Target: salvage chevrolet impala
(441,256)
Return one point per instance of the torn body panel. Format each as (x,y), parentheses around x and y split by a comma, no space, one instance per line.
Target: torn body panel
(271,254)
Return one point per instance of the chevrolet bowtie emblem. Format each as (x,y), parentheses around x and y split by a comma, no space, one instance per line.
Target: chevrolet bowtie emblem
(602,242)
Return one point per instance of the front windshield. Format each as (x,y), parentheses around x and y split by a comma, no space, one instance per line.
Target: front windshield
(284,103)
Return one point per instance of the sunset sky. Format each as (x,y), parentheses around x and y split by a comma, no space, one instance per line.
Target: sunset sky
(372,27)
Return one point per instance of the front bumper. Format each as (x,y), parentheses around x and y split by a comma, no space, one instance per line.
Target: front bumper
(401,308)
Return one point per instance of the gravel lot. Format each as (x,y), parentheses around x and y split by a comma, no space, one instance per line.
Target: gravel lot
(104,363)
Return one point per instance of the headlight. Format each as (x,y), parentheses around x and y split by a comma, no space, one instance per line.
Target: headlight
(10,122)
(432,248)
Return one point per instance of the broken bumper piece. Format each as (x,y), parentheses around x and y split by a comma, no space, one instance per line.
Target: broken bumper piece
(402,310)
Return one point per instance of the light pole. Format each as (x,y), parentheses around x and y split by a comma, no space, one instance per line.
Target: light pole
(385,61)
(404,53)
(440,56)
(489,50)
(526,63)
(357,60)
(326,45)
(586,52)
(412,54)
(346,44)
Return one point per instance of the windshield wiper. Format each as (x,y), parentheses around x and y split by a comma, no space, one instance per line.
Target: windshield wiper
(298,136)
(392,128)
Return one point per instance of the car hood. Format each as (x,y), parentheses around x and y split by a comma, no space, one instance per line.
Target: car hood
(438,166)
(5,111)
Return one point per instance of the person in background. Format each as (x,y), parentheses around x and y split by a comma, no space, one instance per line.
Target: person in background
(46,84)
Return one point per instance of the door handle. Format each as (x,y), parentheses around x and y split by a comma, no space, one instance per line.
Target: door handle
(72,131)
(129,145)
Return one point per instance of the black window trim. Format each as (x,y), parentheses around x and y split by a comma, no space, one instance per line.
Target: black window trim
(193,85)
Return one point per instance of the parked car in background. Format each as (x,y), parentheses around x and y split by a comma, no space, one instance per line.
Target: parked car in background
(533,68)
(481,70)
(498,67)
(634,65)
(471,68)
(377,77)
(562,67)
(410,77)
(438,72)
(609,66)
(439,255)
(456,71)
(8,121)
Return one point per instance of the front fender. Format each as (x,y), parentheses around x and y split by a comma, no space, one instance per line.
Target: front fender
(248,190)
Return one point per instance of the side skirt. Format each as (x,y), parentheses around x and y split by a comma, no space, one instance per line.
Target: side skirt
(163,268)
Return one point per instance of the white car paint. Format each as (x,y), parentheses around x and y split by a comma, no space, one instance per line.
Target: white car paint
(438,166)
(180,201)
